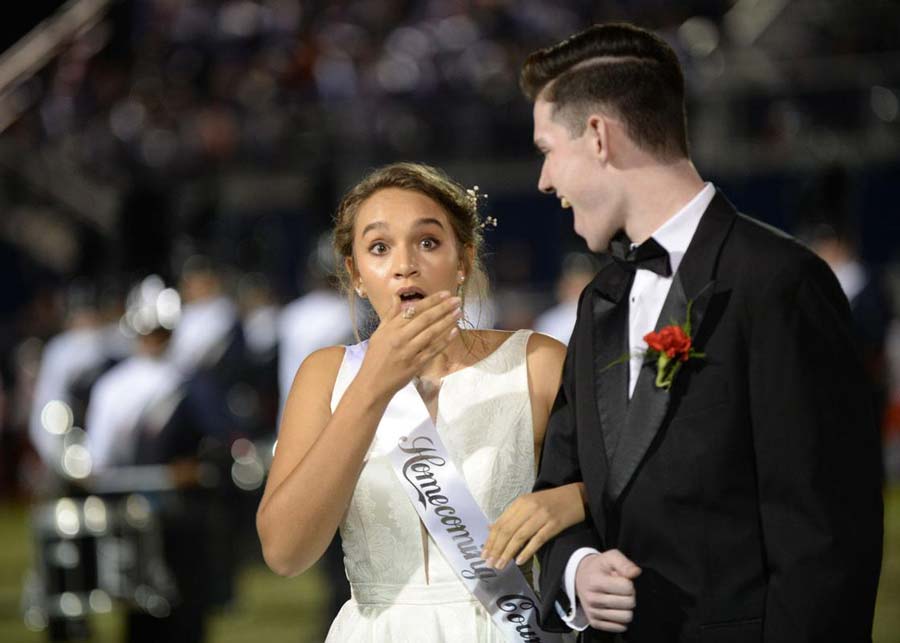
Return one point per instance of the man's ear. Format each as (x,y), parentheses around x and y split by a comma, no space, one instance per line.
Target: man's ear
(598,131)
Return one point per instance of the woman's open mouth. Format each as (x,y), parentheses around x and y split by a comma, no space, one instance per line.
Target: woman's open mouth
(409,296)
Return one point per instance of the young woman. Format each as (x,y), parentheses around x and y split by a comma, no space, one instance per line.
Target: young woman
(409,238)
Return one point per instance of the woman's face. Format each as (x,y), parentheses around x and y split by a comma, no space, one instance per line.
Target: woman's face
(404,249)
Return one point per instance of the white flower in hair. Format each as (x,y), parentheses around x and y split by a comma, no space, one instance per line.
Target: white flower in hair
(474,197)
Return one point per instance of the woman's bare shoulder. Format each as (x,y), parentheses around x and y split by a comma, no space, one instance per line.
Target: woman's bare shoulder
(311,390)
(545,357)
(546,350)
(326,358)
(320,368)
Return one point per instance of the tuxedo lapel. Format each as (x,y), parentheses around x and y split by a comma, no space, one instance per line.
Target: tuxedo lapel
(694,284)
(610,350)
(648,405)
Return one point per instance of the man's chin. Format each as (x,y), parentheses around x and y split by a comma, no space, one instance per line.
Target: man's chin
(596,240)
(596,247)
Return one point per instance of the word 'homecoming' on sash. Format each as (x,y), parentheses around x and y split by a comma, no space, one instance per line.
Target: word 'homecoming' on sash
(419,466)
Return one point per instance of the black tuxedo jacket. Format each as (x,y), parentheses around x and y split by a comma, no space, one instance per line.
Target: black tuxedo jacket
(750,492)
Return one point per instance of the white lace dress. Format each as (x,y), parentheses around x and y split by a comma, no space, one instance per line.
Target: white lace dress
(484,419)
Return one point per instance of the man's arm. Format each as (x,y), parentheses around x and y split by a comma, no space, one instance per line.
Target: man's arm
(559,466)
(818,461)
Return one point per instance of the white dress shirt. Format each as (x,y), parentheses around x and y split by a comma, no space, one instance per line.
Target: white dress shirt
(645,302)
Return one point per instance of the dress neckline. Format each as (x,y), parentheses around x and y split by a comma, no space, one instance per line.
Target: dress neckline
(436,418)
(484,359)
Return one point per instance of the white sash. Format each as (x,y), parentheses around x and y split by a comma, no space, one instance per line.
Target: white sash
(451,515)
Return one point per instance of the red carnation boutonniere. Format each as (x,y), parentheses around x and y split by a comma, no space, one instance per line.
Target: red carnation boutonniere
(671,347)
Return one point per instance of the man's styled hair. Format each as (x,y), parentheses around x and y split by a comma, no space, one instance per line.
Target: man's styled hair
(629,72)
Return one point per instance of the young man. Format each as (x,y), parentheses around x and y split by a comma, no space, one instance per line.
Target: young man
(737,496)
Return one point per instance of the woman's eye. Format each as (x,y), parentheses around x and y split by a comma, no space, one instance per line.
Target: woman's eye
(430,244)
(378,248)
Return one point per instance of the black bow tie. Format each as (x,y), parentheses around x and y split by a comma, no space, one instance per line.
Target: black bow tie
(647,256)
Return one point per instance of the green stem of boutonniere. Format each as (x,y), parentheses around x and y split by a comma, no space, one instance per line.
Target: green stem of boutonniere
(622,359)
(666,370)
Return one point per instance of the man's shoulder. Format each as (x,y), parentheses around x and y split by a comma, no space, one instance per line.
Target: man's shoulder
(766,251)
(769,261)
(765,240)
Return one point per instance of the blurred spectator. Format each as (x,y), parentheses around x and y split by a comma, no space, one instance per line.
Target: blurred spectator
(71,360)
(260,315)
(869,305)
(577,271)
(124,397)
(320,317)
(209,323)
(136,395)
(830,230)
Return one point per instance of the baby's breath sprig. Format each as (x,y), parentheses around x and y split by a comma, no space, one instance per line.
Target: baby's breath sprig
(489,221)
(474,197)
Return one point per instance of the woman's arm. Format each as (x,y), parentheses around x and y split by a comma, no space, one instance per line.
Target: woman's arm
(545,357)
(317,461)
(531,520)
(319,455)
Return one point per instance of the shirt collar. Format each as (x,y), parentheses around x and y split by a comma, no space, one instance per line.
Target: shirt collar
(675,234)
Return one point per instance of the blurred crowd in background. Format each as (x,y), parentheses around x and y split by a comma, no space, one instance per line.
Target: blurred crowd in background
(168,172)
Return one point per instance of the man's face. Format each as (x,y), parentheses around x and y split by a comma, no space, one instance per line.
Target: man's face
(577,172)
